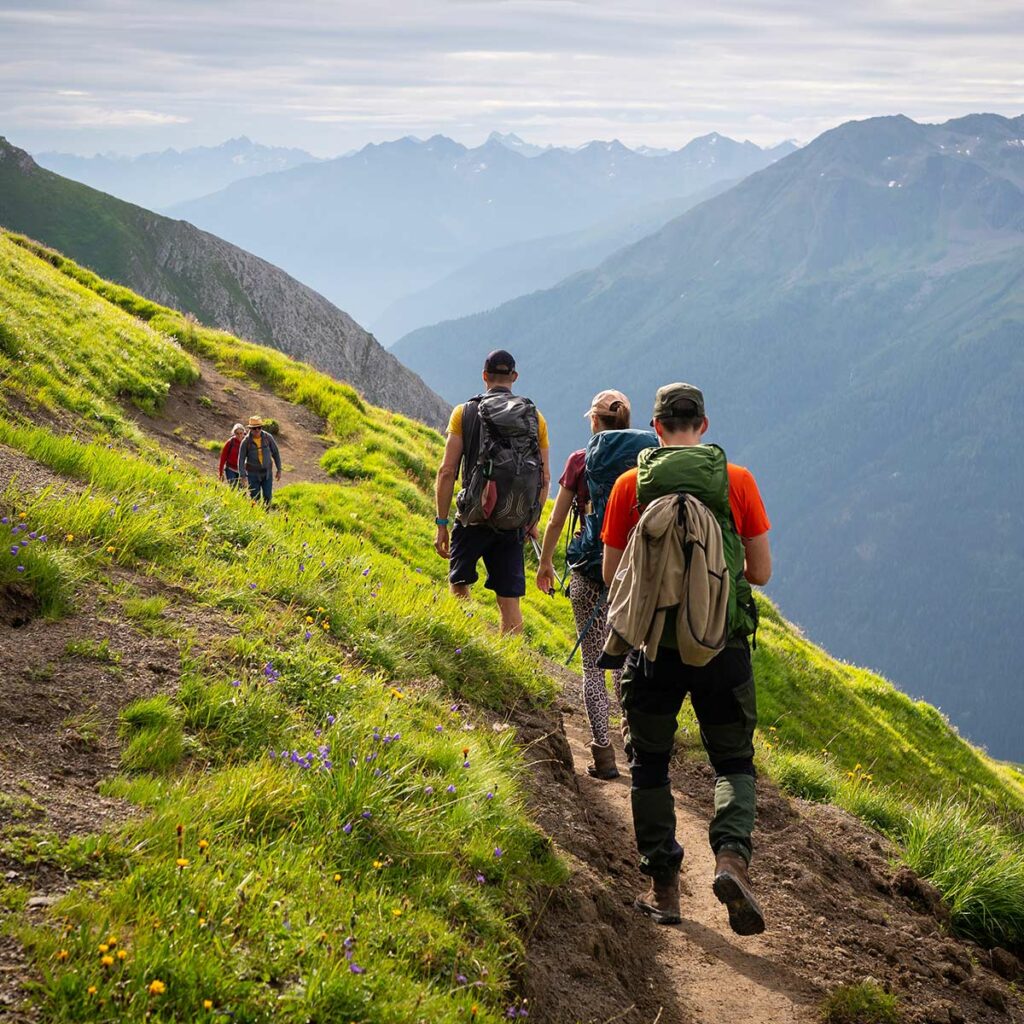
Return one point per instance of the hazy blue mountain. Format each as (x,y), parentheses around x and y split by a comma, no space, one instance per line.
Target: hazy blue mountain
(372,227)
(855,314)
(158,180)
(173,263)
(522,267)
(512,141)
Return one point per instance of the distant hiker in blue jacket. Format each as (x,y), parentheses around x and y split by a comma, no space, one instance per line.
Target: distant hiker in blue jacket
(258,456)
(601,462)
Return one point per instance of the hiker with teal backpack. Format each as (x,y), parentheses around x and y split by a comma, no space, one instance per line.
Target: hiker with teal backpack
(499,441)
(687,528)
(584,488)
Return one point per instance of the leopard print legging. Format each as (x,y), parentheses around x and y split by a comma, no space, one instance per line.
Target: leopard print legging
(584,593)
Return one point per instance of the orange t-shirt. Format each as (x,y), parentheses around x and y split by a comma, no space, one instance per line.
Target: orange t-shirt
(621,514)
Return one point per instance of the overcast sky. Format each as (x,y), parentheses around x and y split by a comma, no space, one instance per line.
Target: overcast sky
(331,75)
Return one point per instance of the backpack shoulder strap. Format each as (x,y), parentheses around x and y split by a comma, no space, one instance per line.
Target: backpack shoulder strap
(470,434)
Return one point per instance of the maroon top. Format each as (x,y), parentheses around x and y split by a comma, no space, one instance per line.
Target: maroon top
(229,454)
(574,478)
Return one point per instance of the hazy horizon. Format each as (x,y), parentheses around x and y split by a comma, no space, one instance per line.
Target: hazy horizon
(104,76)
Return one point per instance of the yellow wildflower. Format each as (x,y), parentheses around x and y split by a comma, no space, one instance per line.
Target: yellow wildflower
(111,550)
(207,1004)
(309,618)
(378,864)
(326,624)
(204,844)
(122,954)
(157,987)
(112,941)
(397,911)
(70,537)
(202,922)
(397,694)
(62,954)
(182,862)
(337,878)
(107,961)
(104,947)
(91,990)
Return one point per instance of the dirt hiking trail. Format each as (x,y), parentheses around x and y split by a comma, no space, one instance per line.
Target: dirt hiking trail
(839,910)
(720,976)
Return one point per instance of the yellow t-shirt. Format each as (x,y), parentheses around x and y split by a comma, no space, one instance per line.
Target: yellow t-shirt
(455,426)
(258,441)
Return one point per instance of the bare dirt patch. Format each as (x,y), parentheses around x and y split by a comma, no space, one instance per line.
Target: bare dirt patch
(207,410)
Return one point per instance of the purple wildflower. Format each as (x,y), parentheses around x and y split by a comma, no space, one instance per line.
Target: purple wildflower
(366,572)
(33,535)
(498,853)
(480,880)
(455,707)
(450,789)
(330,719)
(14,549)
(302,567)
(21,568)
(429,790)
(356,969)
(438,728)
(252,586)
(458,650)
(490,796)
(460,979)
(236,683)
(43,539)
(308,634)
(367,815)
(347,828)
(351,762)
(271,754)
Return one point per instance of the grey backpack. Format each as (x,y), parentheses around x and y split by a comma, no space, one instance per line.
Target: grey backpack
(501,469)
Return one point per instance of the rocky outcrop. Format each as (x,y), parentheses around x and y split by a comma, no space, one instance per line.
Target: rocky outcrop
(174,263)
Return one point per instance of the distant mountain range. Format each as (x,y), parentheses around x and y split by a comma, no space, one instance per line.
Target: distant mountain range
(175,264)
(855,314)
(373,227)
(522,267)
(157,180)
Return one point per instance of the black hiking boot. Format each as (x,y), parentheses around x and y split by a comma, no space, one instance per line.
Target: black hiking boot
(661,901)
(604,762)
(732,887)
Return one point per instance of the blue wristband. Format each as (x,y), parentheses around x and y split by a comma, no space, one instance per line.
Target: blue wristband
(440,522)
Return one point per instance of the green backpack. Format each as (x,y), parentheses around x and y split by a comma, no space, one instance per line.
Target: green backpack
(701,470)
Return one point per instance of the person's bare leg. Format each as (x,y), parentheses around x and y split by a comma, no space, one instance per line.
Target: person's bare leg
(460,590)
(511,615)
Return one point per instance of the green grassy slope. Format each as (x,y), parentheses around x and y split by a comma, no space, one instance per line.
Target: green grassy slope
(337,649)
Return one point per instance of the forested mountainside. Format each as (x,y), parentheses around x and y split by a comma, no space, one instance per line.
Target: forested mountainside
(171,262)
(854,314)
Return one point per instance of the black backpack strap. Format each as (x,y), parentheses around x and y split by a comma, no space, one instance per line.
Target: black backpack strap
(470,435)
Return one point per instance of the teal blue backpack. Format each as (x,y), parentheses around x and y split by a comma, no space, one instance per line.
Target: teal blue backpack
(609,454)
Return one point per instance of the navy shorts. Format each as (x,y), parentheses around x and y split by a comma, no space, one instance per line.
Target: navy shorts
(502,552)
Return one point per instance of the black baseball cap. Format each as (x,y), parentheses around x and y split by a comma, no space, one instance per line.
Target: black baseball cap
(500,362)
(678,400)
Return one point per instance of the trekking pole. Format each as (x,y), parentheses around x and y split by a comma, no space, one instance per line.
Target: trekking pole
(586,629)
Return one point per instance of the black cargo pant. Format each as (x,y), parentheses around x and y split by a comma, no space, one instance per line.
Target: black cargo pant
(724,701)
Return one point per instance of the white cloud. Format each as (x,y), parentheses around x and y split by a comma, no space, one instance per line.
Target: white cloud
(329,75)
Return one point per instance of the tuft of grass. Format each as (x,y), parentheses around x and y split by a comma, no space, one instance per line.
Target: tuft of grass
(977,865)
(94,650)
(864,1003)
(148,613)
(153,735)
(805,776)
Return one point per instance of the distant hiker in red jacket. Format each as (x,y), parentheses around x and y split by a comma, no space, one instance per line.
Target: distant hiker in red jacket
(229,456)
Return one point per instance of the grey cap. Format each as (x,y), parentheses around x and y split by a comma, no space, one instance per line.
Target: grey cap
(670,397)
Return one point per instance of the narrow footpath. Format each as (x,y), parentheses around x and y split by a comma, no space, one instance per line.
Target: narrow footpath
(721,977)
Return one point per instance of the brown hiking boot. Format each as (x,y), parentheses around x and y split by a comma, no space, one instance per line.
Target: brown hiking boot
(661,901)
(732,887)
(604,762)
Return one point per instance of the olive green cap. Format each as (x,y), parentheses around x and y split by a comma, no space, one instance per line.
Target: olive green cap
(668,396)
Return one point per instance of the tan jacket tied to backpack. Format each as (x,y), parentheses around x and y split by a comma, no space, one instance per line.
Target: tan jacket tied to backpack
(673,560)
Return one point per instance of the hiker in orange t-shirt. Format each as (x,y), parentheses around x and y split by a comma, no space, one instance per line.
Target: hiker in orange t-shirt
(722,691)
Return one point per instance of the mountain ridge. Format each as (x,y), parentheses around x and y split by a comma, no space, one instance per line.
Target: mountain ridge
(179,265)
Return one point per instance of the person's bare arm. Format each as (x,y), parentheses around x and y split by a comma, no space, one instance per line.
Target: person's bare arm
(758,559)
(556,523)
(545,469)
(610,564)
(444,488)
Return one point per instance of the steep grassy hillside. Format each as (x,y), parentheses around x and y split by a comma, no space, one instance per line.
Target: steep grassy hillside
(333,821)
(172,262)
